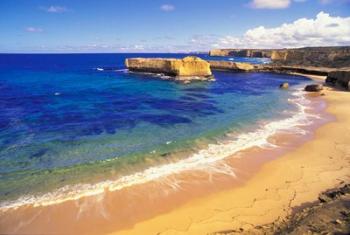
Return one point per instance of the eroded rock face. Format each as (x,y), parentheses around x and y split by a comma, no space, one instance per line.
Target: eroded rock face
(228,65)
(188,68)
(340,78)
(260,53)
(335,57)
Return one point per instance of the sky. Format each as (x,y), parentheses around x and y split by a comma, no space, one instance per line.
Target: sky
(66,26)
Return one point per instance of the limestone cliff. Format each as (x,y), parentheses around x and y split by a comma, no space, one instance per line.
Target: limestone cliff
(188,68)
(228,65)
(335,57)
(241,53)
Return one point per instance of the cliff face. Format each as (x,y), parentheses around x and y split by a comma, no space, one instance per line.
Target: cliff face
(191,67)
(228,65)
(241,53)
(340,78)
(314,56)
(309,56)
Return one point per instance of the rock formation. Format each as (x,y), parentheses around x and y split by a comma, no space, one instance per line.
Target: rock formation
(329,215)
(274,68)
(188,68)
(228,65)
(314,87)
(336,57)
(277,68)
(284,85)
(340,78)
(242,53)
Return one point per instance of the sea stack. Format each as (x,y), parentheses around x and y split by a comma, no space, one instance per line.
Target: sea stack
(186,69)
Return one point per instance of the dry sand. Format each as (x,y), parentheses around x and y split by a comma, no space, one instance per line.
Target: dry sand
(295,178)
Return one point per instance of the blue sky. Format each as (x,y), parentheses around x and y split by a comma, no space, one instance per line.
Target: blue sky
(161,25)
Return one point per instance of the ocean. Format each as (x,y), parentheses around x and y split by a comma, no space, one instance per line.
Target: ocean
(81,122)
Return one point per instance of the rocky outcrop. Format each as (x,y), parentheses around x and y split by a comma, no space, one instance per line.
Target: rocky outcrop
(274,68)
(284,85)
(188,68)
(314,56)
(228,65)
(335,57)
(339,78)
(314,87)
(329,215)
(241,53)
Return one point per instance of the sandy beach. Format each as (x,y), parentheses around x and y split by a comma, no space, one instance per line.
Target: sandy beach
(295,178)
(254,187)
(175,117)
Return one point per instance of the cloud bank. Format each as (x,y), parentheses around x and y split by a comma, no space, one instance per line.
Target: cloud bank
(324,30)
(270,4)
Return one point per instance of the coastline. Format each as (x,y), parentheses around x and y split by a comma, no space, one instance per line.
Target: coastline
(140,206)
(269,196)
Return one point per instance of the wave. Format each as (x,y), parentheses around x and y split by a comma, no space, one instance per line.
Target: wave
(122,70)
(112,69)
(207,159)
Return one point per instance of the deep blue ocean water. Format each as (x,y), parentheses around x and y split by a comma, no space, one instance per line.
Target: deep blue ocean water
(63,121)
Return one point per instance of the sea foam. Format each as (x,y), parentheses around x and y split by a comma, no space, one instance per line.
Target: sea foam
(207,159)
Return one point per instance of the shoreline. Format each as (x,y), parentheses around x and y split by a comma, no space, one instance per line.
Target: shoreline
(295,178)
(184,195)
(198,159)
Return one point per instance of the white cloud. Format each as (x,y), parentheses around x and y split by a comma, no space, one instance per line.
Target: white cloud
(270,4)
(274,4)
(167,7)
(324,30)
(54,9)
(34,30)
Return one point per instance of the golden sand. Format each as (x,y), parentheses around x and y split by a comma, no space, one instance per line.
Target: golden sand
(266,187)
(295,178)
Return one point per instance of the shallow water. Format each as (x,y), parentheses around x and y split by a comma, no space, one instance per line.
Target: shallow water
(68,119)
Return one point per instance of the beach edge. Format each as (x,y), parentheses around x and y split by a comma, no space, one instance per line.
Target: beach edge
(296,178)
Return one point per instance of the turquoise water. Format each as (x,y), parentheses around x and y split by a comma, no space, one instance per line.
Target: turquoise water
(67,119)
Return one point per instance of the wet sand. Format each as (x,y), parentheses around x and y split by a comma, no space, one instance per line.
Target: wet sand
(269,195)
(179,203)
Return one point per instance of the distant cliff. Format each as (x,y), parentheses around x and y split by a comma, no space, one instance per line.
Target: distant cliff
(260,53)
(308,56)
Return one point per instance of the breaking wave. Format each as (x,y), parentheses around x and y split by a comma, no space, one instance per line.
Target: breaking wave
(208,159)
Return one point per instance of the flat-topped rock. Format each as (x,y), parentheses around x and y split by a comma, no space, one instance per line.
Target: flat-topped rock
(275,68)
(188,68)
(312,70)
(229,65)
